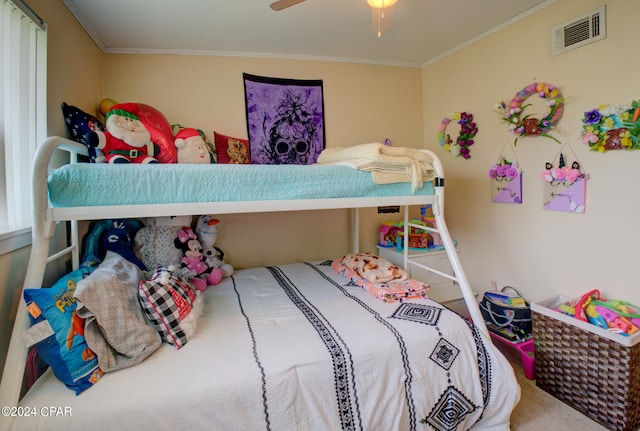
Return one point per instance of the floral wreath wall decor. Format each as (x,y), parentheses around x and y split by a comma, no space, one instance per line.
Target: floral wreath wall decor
(612,127)
(468,131)
(565,185)
(522,124)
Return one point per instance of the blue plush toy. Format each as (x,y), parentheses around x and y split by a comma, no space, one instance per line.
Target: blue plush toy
(118,240)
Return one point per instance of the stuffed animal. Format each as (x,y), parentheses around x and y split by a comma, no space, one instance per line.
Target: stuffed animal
(126,140)
(117,240)
(202,275)
(154,243)
(192,147)
(157,125)
(136,133)
(207,232)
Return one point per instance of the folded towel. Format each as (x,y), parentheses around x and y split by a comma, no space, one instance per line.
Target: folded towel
(373,268)
(386,163)
(397,289)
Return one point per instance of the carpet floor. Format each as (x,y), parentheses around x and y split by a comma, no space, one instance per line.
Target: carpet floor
(540,411)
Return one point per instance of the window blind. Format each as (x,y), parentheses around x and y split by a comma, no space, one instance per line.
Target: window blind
(23,44)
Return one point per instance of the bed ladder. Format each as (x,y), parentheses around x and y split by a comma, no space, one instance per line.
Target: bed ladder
(459,275)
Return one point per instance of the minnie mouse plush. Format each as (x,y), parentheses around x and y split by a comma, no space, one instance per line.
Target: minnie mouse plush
(194,260)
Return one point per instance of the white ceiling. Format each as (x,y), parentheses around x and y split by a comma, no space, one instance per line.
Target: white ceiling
(342,30)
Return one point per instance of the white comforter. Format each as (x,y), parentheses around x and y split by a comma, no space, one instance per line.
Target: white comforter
(296,347)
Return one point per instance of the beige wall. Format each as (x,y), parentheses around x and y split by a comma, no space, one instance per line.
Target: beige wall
(542,253)
(75,64)
(363,103)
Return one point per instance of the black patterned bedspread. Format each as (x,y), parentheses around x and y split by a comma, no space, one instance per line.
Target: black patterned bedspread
(299,347)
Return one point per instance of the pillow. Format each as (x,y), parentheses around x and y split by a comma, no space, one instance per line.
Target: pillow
(79,123)
(171,305)
(231,150)
(177,128)
(65,349)
(115,326)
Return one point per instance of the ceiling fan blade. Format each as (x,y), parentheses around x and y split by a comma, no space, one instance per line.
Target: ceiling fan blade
(283,4)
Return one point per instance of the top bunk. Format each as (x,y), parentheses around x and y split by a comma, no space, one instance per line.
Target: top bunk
(92,191)
(84,191)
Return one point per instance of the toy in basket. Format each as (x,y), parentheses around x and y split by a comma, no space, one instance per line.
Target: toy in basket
(507,312)
(590,368)
(614,315)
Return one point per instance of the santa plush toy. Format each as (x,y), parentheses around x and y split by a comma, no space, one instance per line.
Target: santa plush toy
(191,146)
(127,139)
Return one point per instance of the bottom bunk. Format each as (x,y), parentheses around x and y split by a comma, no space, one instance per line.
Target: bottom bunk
(297,346)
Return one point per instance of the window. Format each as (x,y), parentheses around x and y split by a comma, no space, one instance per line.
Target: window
(23,61)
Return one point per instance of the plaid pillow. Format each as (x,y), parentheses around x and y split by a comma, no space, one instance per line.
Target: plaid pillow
(171,305)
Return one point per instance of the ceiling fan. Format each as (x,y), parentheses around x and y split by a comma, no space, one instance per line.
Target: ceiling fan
(283,4)
(382,12)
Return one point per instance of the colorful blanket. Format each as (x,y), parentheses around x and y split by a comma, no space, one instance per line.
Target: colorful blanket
(378,276)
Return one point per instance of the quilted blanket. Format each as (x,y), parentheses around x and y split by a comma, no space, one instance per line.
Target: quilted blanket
(387,164)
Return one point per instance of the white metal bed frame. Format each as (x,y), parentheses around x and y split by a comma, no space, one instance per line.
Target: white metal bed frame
(46,217)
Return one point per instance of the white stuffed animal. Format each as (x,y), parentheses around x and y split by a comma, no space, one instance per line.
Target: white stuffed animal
(207,232)
(154,243)
(192,148)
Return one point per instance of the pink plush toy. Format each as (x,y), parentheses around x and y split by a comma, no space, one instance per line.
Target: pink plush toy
(202,274)
(192,147)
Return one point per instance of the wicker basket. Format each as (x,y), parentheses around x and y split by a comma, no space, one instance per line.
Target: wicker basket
(589,368)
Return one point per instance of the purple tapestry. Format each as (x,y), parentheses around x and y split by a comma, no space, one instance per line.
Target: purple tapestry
(285,120)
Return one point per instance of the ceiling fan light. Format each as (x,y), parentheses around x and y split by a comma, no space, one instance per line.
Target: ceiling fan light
(381,4)
(382,20)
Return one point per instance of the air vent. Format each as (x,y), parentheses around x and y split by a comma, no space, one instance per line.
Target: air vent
(579,32)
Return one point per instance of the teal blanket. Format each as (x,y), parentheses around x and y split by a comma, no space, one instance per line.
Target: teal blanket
(86,184)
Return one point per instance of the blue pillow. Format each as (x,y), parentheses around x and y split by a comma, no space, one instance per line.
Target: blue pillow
(79,123)
(66,350)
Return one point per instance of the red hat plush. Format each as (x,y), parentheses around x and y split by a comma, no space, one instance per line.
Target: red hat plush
(192,147)
(129,110)
(187,133)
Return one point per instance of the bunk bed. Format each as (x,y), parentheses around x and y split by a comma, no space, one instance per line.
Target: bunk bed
(295,346)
